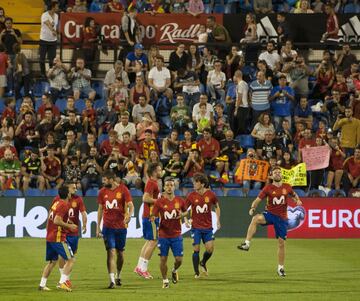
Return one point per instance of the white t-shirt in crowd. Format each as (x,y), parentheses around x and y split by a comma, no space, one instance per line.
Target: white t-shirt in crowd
(159,77)
(216,78)
(45,33)
(243,89)
(270,58)
(196,110)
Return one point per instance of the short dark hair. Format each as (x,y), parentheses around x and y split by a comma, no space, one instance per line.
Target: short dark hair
(152,168)
(8,19)
(202,178)
(148,131)
(207,130)
(109,174)
(212,18)
(126,133)
(63,192)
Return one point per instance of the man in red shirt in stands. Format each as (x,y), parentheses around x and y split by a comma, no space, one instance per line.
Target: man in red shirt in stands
(126,145)
(6,145)
(47,104)
(51,168)
(351,177)
(56,245)
(306,141)
(108,145)
(209,147)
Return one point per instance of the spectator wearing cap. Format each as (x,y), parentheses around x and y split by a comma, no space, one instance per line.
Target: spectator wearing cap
(351,178)
(178,60)
(114,73)
(51,168)
(303,112)
(216,84)
(269,147)
(209,147)
(350,131)
(57,76)
(281,98)
(250,154)
(125,126)
(25,132)
(9,171)
(47,104)
(146,124)
(91,171)
(136,62)
(6,143)
(159,81)
(147,145)
(31,171)
(140,109)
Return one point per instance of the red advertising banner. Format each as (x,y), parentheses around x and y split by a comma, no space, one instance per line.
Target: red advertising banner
(323,218)
(162,28)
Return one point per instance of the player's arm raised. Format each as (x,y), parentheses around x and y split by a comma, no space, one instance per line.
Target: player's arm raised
(59,222)
(254,205)
(99,218)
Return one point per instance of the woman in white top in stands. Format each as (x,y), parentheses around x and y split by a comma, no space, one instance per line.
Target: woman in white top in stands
(262,126)
(250,29)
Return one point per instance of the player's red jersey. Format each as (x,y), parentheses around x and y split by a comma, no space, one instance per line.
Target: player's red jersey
(114,205)
(55,233)
(76,205)
(201,206)
(277,198)
(151,188)
(169,213)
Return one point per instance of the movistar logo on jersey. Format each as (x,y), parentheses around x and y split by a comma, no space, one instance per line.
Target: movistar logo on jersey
(170,215)
(203,209)
(112,205)
(279,201)
(71,212)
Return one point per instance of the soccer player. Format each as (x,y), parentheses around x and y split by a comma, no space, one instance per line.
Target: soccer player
(150,227)
(171,209)
(202,201)
(76,207)
(275,214)
(115,208)
(56,240)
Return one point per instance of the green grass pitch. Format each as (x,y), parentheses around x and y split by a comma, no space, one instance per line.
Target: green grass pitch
(316,270)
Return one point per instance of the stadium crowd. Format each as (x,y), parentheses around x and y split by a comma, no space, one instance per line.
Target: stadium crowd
(203,111)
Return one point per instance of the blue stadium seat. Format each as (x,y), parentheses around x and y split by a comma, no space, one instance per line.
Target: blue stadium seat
(336,193)
(316,193)
(18,105)
(2,105)
(218,9)
(102,138)
(12,193)
(218,191)
(80,105)
(179,192)
(92,192)
(232,185)
(300,192)
(61,104)
(38,103)
(33,192)
(253,192)
(98,86)
(40,88)
(100,103)
(246,141)
(136,192)
(51,192)
(351,8)
(188,185)
(235,193)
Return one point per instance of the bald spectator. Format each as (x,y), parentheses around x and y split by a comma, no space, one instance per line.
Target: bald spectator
(9,171)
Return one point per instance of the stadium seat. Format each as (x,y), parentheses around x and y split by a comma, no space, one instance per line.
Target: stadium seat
(300,192)
(337,193)
(102,138)
(38,103)
(235,193)
(178,192)
(33,192)
(80,105)
(218,191)
(98,86)
(246,141)
(136,192)
(100,103)
(92,192)
(51,192)
(253,192)
(232,185)
(18,105)
(2,105)
(12,193)
(40,88)
(316,193)
(61,104)
(219,9)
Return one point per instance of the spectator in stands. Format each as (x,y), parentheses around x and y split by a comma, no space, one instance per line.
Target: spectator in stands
(209,147)
(216,84)
(9,171)
(48,36)
(250,29)
(7,128)
(287,161)
(306,142)
(355,104)
(247,185)
(91,171)
(260,90)
(304,8)
(332,107)
(49,140)
(180,115)
(51,168)
(351,178)
(194,164)
(263,66)
(69,123)
(7,143)
(106,117)
(126,146)
(298,73)
(152,54)
(271,57)
(282,28)
(170,145)
(232,61)
(186,145)
(284,136)
(325,75)
(70,107)
(21,72)
(209,108)
(194,62)
(9,111)
(2,19)
(146,124)
(57,76)
(129,30)
(268,148)
(125,126)
(174,169)
(118,92)
(152,160)
(47,104)
(209,59)
(113,74)
(109,145)
(263,6)
(70,146)
(281,98)
(350,131)
(137,56)
(345,57)
(352,75)
(31,172)
(318,6)
(114,6)
(47,124)
(88,117)
(332,25)
(203,120)
(4,64)
(25,132)
(178,60)
(221,122)
(287,53)
(335,169)
(78,7)
(87,145)
(159,81)
(140,109)
(196,7)
(96,7)
(303,113)
(154,7)
(139,89)
(230,147)
(147,145)
(177,7)
(218,34)
(72,172)
(341,87)
(262,126)
(90,42)
(81,84)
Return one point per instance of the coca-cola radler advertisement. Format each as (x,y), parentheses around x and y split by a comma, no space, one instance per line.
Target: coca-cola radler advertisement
(164,28)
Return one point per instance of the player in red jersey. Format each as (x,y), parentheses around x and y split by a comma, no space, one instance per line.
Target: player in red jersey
(202,200)
(149,226)
(56,240)
(115,209)
(275,214)
(76,207)
(170,209)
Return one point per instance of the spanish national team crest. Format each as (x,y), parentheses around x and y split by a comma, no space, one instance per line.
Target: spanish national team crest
(118,195)
(177,206)
(165,206)
(273,192)
(207,199)
(284,191)
(73,204)
(196,201)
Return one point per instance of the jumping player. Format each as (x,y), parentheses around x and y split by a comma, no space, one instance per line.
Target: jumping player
(149,226)
(116,209)
(202,201)
(171,209)
(56,244)
(275,214)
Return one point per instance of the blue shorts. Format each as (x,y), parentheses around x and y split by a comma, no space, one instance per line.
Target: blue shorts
(73,242)
(280,225)
(150,229)
(114,238)
(175,244)
(203,235)
(56,249)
